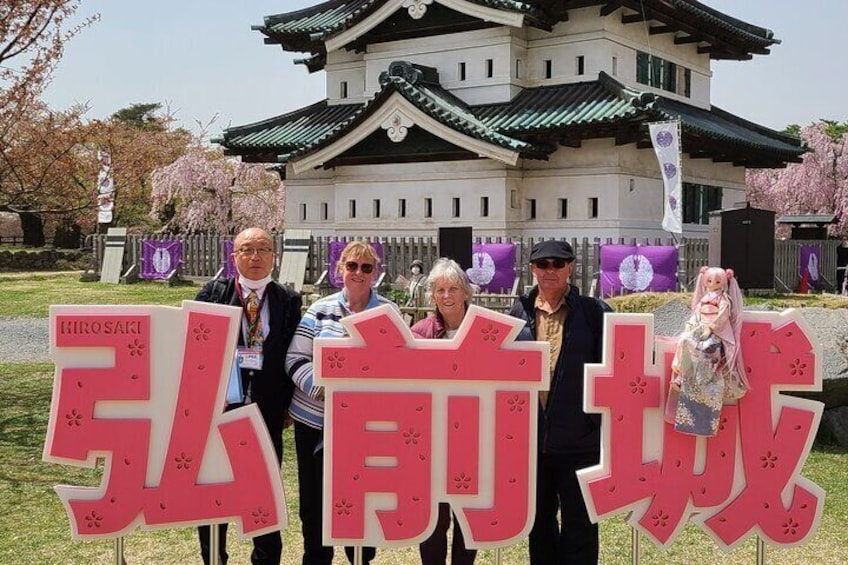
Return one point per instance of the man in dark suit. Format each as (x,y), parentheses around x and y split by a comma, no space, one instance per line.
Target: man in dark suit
(270,314)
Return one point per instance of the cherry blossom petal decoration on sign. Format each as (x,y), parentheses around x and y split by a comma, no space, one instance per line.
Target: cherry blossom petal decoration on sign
(744,480)
(411,423)
(142,388)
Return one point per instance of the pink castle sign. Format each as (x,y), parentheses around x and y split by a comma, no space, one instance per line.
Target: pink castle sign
(746,479)
(411,423)
(143,388)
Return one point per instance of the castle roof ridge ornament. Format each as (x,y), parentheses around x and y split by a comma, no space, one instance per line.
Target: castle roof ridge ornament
(411,73)
(416,8)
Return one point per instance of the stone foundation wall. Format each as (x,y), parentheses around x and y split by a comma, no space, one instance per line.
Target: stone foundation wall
(44,260)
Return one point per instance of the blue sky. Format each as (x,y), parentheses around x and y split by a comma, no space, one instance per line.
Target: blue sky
(201,58)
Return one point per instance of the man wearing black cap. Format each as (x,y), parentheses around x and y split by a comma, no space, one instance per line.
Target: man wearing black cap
(569,439)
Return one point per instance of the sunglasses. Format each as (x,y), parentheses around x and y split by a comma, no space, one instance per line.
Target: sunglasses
(545,264)
(366,268)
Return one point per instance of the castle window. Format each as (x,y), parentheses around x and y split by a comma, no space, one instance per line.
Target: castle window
(484,206)
(376,207)
(456,208)
(490,68)
(428,207)
(460,72)
(401,207)
(563,208)
(325,211)
(351,208)
(303,211)
(659,73)
(593,207)
(531,208)
(581,65)
(549,68)
(343,89)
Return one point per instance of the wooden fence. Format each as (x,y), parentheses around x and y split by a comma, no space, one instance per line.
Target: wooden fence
(203,256)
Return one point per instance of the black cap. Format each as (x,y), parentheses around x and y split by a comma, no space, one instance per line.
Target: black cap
(552,250)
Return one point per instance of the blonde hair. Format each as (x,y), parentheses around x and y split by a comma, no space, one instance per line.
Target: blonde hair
(358,250)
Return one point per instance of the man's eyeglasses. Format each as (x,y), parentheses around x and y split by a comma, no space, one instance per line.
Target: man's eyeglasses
(251,251)
(545,264)
(366,268)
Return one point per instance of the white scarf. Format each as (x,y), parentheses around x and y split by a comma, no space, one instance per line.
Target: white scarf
(254,285)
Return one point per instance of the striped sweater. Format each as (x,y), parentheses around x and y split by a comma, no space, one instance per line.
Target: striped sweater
(322,319)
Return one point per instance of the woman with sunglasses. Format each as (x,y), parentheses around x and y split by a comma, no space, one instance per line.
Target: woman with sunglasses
(448,288)
(358,266)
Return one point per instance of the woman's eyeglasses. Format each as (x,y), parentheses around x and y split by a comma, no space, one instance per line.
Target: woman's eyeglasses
(545,264)
(352,266)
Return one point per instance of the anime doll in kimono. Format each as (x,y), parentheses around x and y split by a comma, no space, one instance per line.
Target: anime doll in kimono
(707,369)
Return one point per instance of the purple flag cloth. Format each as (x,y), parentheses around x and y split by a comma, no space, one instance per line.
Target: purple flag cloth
(810,262)
(638,268)
(336,248)
(229,267)
(159,258)
(493,266)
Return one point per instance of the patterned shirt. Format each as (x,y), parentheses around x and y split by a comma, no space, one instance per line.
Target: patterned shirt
(322,319)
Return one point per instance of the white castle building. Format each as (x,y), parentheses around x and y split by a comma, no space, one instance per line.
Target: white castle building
(519,118)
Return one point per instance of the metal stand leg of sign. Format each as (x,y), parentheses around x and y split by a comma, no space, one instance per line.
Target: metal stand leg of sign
(119,551)
(214,545)
(634,546)
(357,555)
(761,551)
(499,556)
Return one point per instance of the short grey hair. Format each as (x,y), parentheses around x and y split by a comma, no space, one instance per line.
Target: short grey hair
(448,269)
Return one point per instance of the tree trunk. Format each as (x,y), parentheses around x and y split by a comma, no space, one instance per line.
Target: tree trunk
(33,227)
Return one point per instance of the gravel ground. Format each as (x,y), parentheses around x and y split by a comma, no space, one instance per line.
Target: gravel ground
(23,339)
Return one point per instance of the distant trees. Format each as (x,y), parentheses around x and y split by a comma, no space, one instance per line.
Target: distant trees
(205,191)
(39,171)
(139,139)
(817,185)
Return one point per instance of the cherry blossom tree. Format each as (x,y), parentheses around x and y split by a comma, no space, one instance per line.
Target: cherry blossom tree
(205,191)
(36,145)
(44,170)
(137,148)
(817,185)
(32,38)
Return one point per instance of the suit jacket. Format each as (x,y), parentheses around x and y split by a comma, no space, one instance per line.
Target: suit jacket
(270,388)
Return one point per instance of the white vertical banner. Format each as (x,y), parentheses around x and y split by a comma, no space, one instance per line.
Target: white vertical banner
(665,137)
(105,189)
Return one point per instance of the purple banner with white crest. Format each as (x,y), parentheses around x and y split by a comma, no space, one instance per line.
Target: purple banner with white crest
(638,268)
(160,258)
(810,262)
(229,267)
(336,248)
(492,266)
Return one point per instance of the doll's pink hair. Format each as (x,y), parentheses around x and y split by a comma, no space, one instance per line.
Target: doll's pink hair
(731,289)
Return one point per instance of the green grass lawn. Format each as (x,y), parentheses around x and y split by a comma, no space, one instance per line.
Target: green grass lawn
(35,525)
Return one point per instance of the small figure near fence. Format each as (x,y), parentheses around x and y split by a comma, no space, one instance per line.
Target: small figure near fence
(415,284)
(708,370)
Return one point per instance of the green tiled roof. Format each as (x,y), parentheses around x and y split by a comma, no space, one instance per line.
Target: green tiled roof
(555,107)
(730,38)
(531,124)
(337,15)
(721,126)
(267,140)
